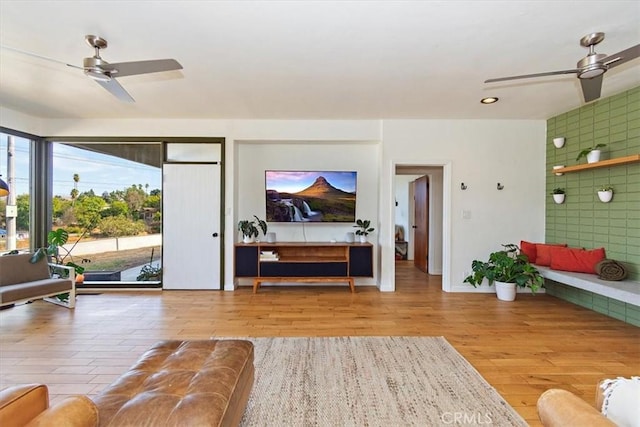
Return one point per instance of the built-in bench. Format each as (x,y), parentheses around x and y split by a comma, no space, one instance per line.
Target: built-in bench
(625,290)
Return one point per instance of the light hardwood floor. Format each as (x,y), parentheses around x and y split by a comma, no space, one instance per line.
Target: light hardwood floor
(521,348)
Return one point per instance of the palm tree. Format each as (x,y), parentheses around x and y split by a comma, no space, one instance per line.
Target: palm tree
(74,192)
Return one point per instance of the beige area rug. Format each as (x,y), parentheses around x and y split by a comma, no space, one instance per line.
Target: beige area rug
(370,381)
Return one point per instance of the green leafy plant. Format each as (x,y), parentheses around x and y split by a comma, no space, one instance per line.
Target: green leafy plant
(56,240)
(149,271)
(249,228)
(363,226)
(508,266)
(558,191)
(586,151)
(606,187)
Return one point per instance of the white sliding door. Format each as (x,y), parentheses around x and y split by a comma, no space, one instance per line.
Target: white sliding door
(191,256)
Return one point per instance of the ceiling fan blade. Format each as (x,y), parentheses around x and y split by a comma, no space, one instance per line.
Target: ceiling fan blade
(527,76)
(121,69)
(591,88)
(622,56)
(35,55)
(116,90)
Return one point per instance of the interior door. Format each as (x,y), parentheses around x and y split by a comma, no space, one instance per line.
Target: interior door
(421,223)
(191,226)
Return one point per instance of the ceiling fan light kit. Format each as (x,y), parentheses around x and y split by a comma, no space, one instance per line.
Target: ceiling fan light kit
(590,69)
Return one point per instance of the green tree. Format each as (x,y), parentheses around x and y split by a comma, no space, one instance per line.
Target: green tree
(153,202)
(59,207)
(74,196)
(88,210)
(116,226)
(22,203)
(116,208)
(134,197)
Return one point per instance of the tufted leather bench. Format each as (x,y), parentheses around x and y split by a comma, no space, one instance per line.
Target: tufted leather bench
(182,383)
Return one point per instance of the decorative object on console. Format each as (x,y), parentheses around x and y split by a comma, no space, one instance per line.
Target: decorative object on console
(271,237)
(592,153)
(363,229)
(605,193)
(349,237)
(558,142)
(506,266)
(249,229)
(310,196)
(558,195)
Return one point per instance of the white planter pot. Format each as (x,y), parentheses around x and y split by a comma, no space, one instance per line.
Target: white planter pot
(593,156)
(363,239)
(558,198)
(605,196)
(558,142)
(505,291)
(558,167)
(248,239)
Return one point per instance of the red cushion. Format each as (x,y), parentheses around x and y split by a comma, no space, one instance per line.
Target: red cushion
(576,259)
(543,252)
(528,249)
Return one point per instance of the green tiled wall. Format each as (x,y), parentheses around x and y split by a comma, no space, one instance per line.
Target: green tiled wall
(617,309)
(582,220)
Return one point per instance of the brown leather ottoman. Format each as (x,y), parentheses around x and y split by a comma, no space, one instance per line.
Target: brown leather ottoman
(182,383)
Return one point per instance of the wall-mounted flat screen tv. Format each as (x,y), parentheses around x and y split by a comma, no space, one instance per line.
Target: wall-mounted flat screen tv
(310,196)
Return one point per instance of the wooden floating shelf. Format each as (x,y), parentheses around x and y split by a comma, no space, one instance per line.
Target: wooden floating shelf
(634,158)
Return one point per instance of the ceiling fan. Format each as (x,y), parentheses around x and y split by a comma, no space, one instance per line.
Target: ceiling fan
(105,74)
(590,69)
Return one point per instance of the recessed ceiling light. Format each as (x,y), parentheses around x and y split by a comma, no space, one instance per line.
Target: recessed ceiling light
(489,100)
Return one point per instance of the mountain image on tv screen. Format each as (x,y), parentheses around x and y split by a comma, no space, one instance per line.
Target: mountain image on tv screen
(310,196)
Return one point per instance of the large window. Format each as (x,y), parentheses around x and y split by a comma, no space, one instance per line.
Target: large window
(14,208)
(107,196)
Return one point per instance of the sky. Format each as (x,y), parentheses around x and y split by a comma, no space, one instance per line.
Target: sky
(97,172)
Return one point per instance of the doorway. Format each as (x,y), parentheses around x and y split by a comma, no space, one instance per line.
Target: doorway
(419,212)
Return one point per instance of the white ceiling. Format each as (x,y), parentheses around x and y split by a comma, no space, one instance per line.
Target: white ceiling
(312,59)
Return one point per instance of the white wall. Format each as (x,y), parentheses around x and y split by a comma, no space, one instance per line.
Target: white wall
(255,157)
(480,154)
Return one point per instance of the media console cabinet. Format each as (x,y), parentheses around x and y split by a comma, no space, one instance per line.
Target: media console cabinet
(303,262)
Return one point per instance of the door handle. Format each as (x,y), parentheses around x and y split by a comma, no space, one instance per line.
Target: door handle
(214,235)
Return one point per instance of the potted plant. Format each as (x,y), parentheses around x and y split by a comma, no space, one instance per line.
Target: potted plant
(149,271)
(56,240)
(605,193)
(363,226)
(249,229)
(508,268)
(558,195)
(592,153)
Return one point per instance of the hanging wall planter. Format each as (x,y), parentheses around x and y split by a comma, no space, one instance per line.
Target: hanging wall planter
(605,194)
(558,167)
(558,142)
(558,195)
